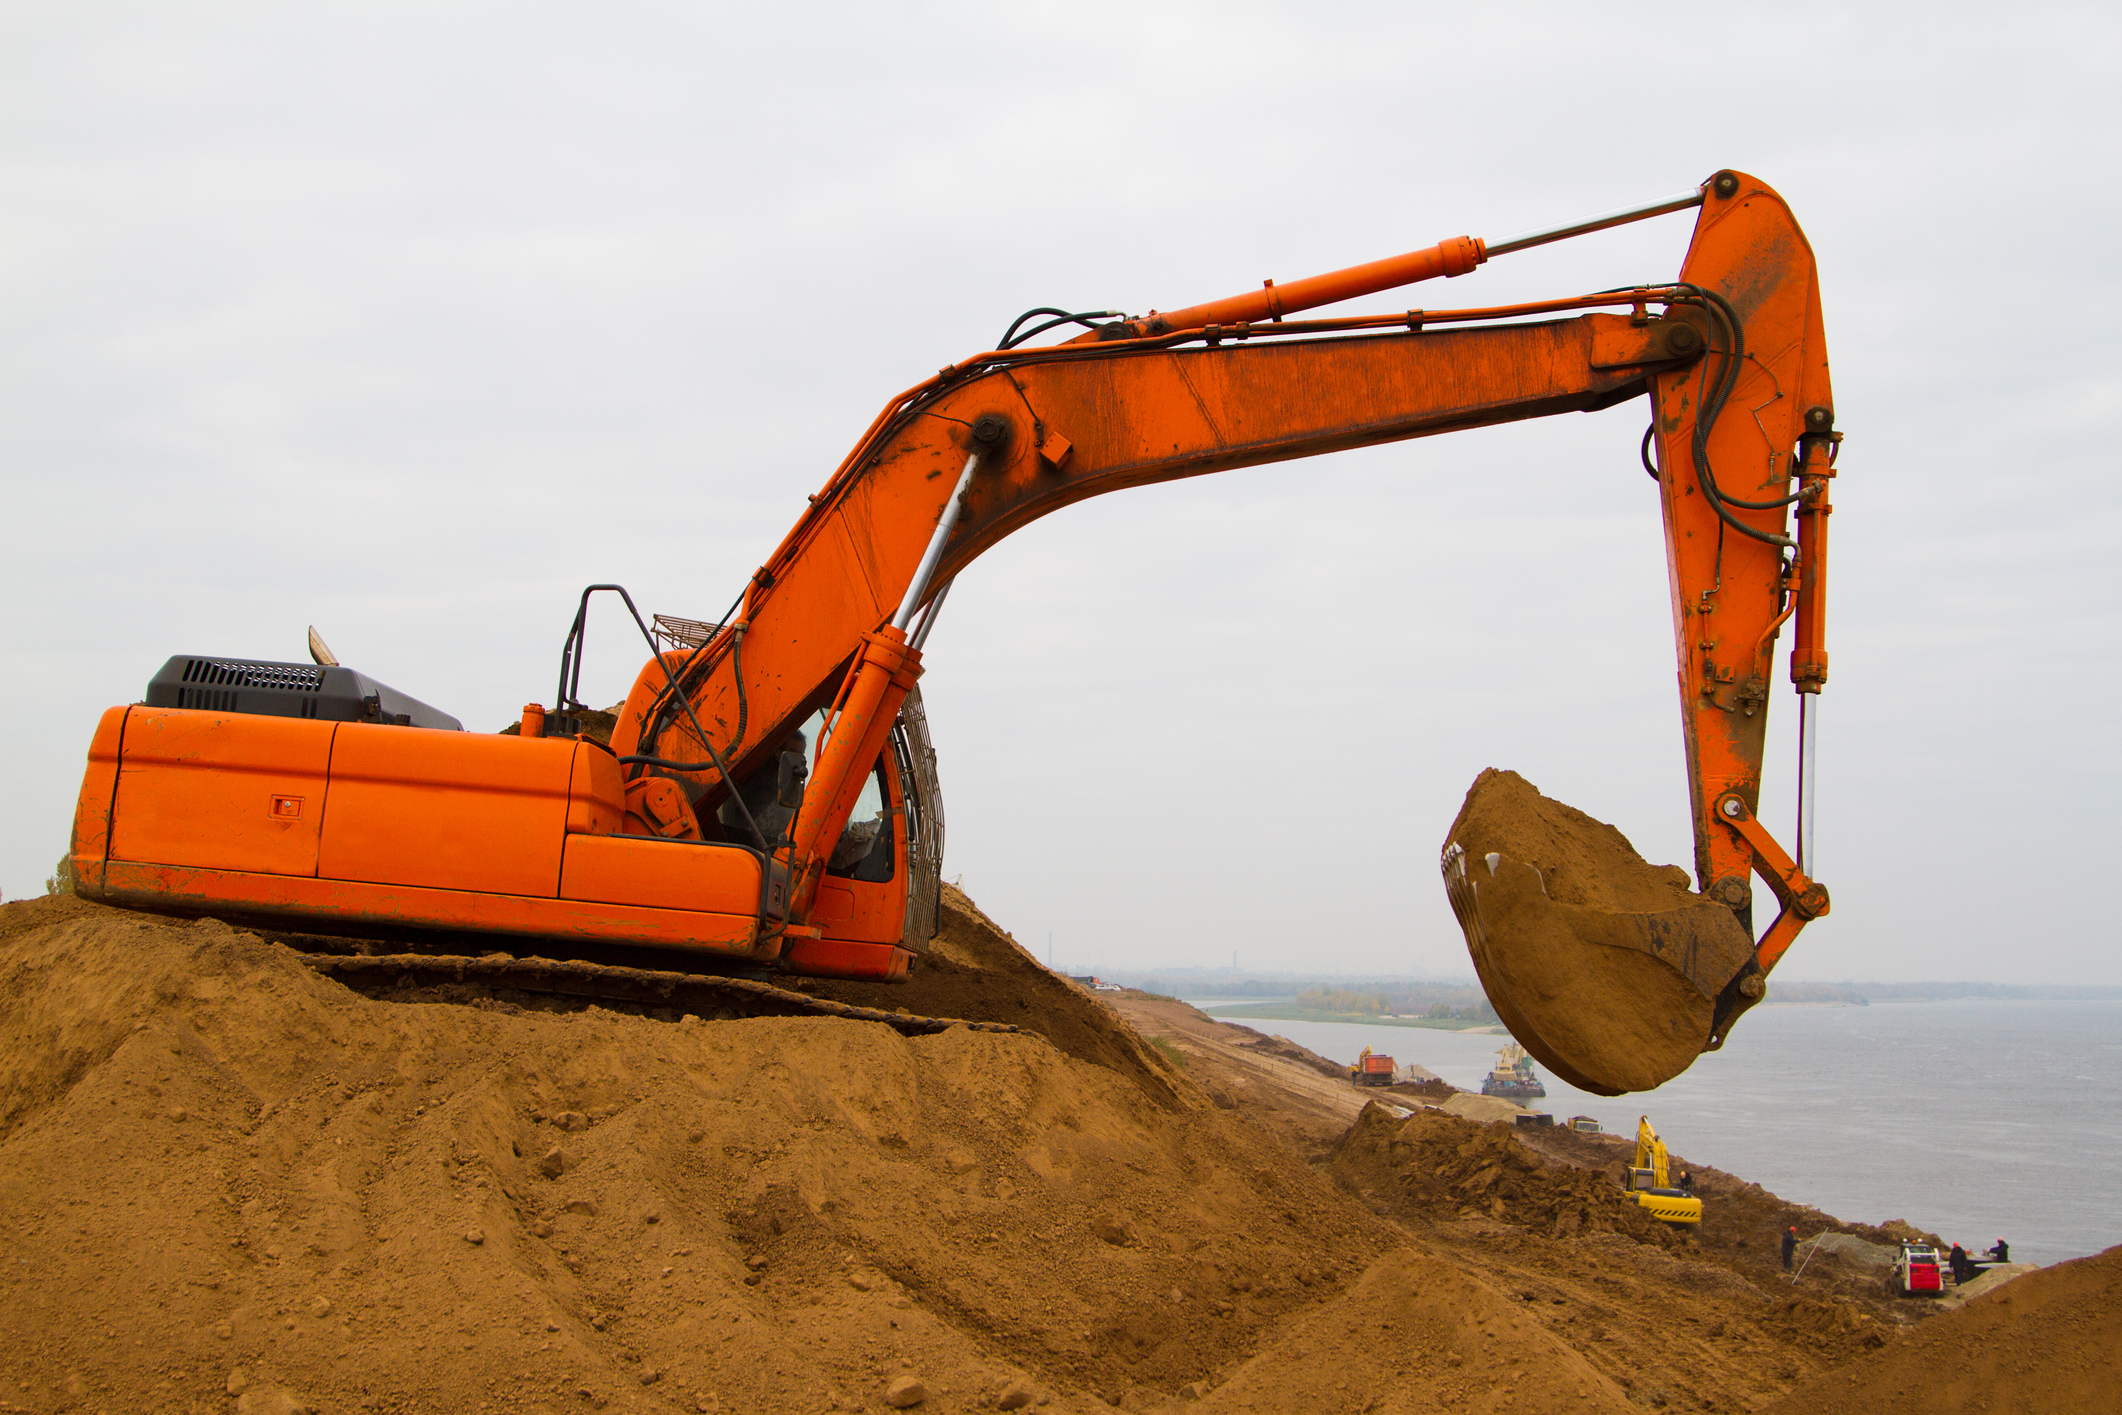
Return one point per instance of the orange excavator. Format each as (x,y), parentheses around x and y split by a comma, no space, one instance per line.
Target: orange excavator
(766,801)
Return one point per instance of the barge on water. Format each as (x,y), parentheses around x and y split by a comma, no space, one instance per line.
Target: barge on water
(1513,1078)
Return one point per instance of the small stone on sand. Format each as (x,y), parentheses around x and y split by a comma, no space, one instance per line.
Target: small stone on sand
(905,1393)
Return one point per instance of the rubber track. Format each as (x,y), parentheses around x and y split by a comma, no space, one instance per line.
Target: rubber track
(639,986)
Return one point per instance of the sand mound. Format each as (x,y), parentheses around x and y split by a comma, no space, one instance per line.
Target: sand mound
(1486,1109)
(218,1168)
(2049,1341)
(1742,1227)
(975,970)
(1418,1335)
(1446,1166)
(224,1175)
(1605,967)
(1655,1311)
(1288,1050)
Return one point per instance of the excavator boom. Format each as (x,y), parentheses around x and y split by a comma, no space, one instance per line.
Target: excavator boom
(813,672)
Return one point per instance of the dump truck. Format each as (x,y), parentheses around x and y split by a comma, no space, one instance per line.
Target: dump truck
(1372,1069)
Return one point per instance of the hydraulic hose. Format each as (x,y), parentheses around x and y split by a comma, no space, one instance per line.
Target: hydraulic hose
(1712,406)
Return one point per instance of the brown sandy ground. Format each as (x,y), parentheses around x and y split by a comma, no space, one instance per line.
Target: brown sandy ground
(1698,1321)
(229,1184)
(1661,1315)
(1296,1093)
(2049,1343)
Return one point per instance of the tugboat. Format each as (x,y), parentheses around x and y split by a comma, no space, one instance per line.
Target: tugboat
(1513,1077)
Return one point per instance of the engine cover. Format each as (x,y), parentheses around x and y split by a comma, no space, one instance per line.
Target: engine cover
(303,690)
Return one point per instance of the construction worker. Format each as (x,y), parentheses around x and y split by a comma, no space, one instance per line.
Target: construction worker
(2001,1253)
(1963,1270)
(1790,1246)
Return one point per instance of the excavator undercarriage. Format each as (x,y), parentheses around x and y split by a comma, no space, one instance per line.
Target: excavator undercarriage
(766,804)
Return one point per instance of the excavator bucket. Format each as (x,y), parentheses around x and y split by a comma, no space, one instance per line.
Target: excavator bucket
(1606,968)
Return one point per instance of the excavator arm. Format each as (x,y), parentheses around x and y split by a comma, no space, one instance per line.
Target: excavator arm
(1732,356)
(1035,433)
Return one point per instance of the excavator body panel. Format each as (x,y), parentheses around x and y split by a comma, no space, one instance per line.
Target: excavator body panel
(331,825)
(221,790)
(1676,1209)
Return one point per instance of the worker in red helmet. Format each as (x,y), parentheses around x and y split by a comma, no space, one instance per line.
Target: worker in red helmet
(1790,1246)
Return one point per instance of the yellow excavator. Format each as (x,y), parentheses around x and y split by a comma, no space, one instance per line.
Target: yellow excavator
(1650,1182)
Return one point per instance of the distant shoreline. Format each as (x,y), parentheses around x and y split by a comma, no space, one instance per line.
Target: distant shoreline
(1280,1012)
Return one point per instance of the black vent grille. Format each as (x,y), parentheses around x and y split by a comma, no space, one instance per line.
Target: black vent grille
(220,672)
(207,699)
(317,692)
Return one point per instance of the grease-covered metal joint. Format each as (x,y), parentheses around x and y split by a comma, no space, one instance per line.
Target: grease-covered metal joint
(990,432)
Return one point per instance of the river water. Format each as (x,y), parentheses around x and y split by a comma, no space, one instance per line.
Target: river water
(1970,1119)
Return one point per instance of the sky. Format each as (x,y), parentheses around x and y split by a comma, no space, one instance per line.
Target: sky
(408,321)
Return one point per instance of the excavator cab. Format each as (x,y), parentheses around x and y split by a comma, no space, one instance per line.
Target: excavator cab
(881,897)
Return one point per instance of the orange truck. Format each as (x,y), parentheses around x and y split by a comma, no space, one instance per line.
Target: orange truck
(767,802)
(1372,1069)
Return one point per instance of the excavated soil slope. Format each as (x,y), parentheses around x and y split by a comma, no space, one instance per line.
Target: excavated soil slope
(1665,1320)
(975,970)
(2050,1341)
(1293,1091)
(228,1183)
(1742,1226)
(221,1174)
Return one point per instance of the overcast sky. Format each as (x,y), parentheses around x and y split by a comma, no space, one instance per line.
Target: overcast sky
(410,320)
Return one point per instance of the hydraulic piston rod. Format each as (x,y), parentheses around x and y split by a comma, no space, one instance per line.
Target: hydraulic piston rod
(1453,257)
(1621,216)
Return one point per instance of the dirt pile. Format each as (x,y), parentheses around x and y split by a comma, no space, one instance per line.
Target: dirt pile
(1301,1098)
(228,1182)
(975,970)
(1441,1166)
(218,1168)
(1743,1223)
(1664,1318)
(1605,967)
(1288,1050)
(2049,1341)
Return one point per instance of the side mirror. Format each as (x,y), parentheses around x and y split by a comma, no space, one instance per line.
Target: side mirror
(788,786)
